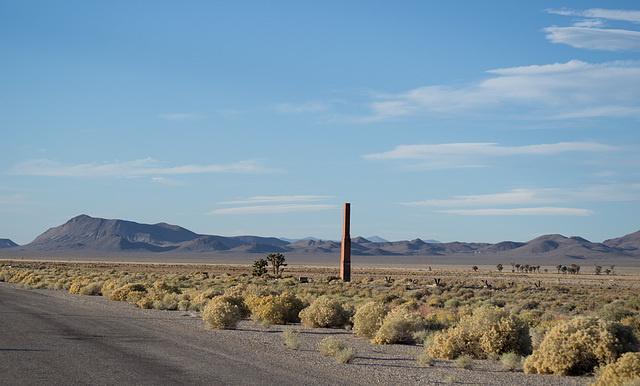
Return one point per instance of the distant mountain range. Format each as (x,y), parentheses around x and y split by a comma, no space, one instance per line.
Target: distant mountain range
(6,243)
(88,235)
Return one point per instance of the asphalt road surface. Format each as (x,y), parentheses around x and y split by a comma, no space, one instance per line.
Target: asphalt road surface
(48,339)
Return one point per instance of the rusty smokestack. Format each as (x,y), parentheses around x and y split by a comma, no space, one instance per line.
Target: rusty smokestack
(345,263)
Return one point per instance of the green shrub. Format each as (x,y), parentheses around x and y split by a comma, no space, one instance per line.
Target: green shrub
(425,359)
(221,315)
(345,355)
(369,318)
(511,361)
(333,347)
(277,309)
(624,371)
(488,331)
(614,312)
(463,362)
(579,346)
(329,345)
(291,339)
(399,326)
(324,312)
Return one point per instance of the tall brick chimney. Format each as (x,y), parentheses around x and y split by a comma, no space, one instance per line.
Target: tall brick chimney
(345,263)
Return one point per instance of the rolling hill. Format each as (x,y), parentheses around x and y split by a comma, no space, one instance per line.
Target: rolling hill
(88,235)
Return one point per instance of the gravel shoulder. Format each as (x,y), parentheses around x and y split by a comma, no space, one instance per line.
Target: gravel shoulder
(54,337)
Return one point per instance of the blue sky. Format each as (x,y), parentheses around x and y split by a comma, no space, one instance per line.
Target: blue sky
(448,120)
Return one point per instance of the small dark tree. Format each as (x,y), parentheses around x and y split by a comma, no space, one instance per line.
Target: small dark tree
(575,268)
(598,269)
(277,262)
(559,267)
(499,267)
(475,268)
(259,267)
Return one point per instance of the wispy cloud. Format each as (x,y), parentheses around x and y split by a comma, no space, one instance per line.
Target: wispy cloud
(180,117)
(597,193)
(542,211)
(590,34)
(263,199)
(550,91)
(12,199)
(274,209)
(137,168)
(286,204)
(308,107)
(463,155)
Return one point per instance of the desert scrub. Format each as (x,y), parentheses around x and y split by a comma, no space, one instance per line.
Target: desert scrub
(425,359)
(122,293)
(463,362)
(579,346)
(511,361)
(399,326)
(489,330)
(625,371)
(333,347)
(369,318)
(291,338)
(221,315)
(324,312)
(237,301)
(277,309)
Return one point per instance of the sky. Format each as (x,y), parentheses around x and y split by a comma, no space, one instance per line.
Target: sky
(447,120)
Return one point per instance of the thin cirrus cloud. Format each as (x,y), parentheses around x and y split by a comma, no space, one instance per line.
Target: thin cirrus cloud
(137,168)
(595,193)
(463,155)
(278,205)
(180,117)
(589,33)
(274,209)
(541,211)
(551,91)
(271,199)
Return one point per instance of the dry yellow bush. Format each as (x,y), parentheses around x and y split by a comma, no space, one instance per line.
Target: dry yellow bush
(276,309)
(488,331)
(221,315)
(324,312)
(398,326)
(369,318)
(579,346)
(624,371)
(121,293)
(237,301)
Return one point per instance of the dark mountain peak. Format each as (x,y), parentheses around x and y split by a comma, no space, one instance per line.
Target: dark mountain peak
(6,243)
(360,240)
(580,240)
(417,242)
(84,229)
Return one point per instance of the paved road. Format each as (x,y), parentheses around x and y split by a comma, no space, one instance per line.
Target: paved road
(49,339)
